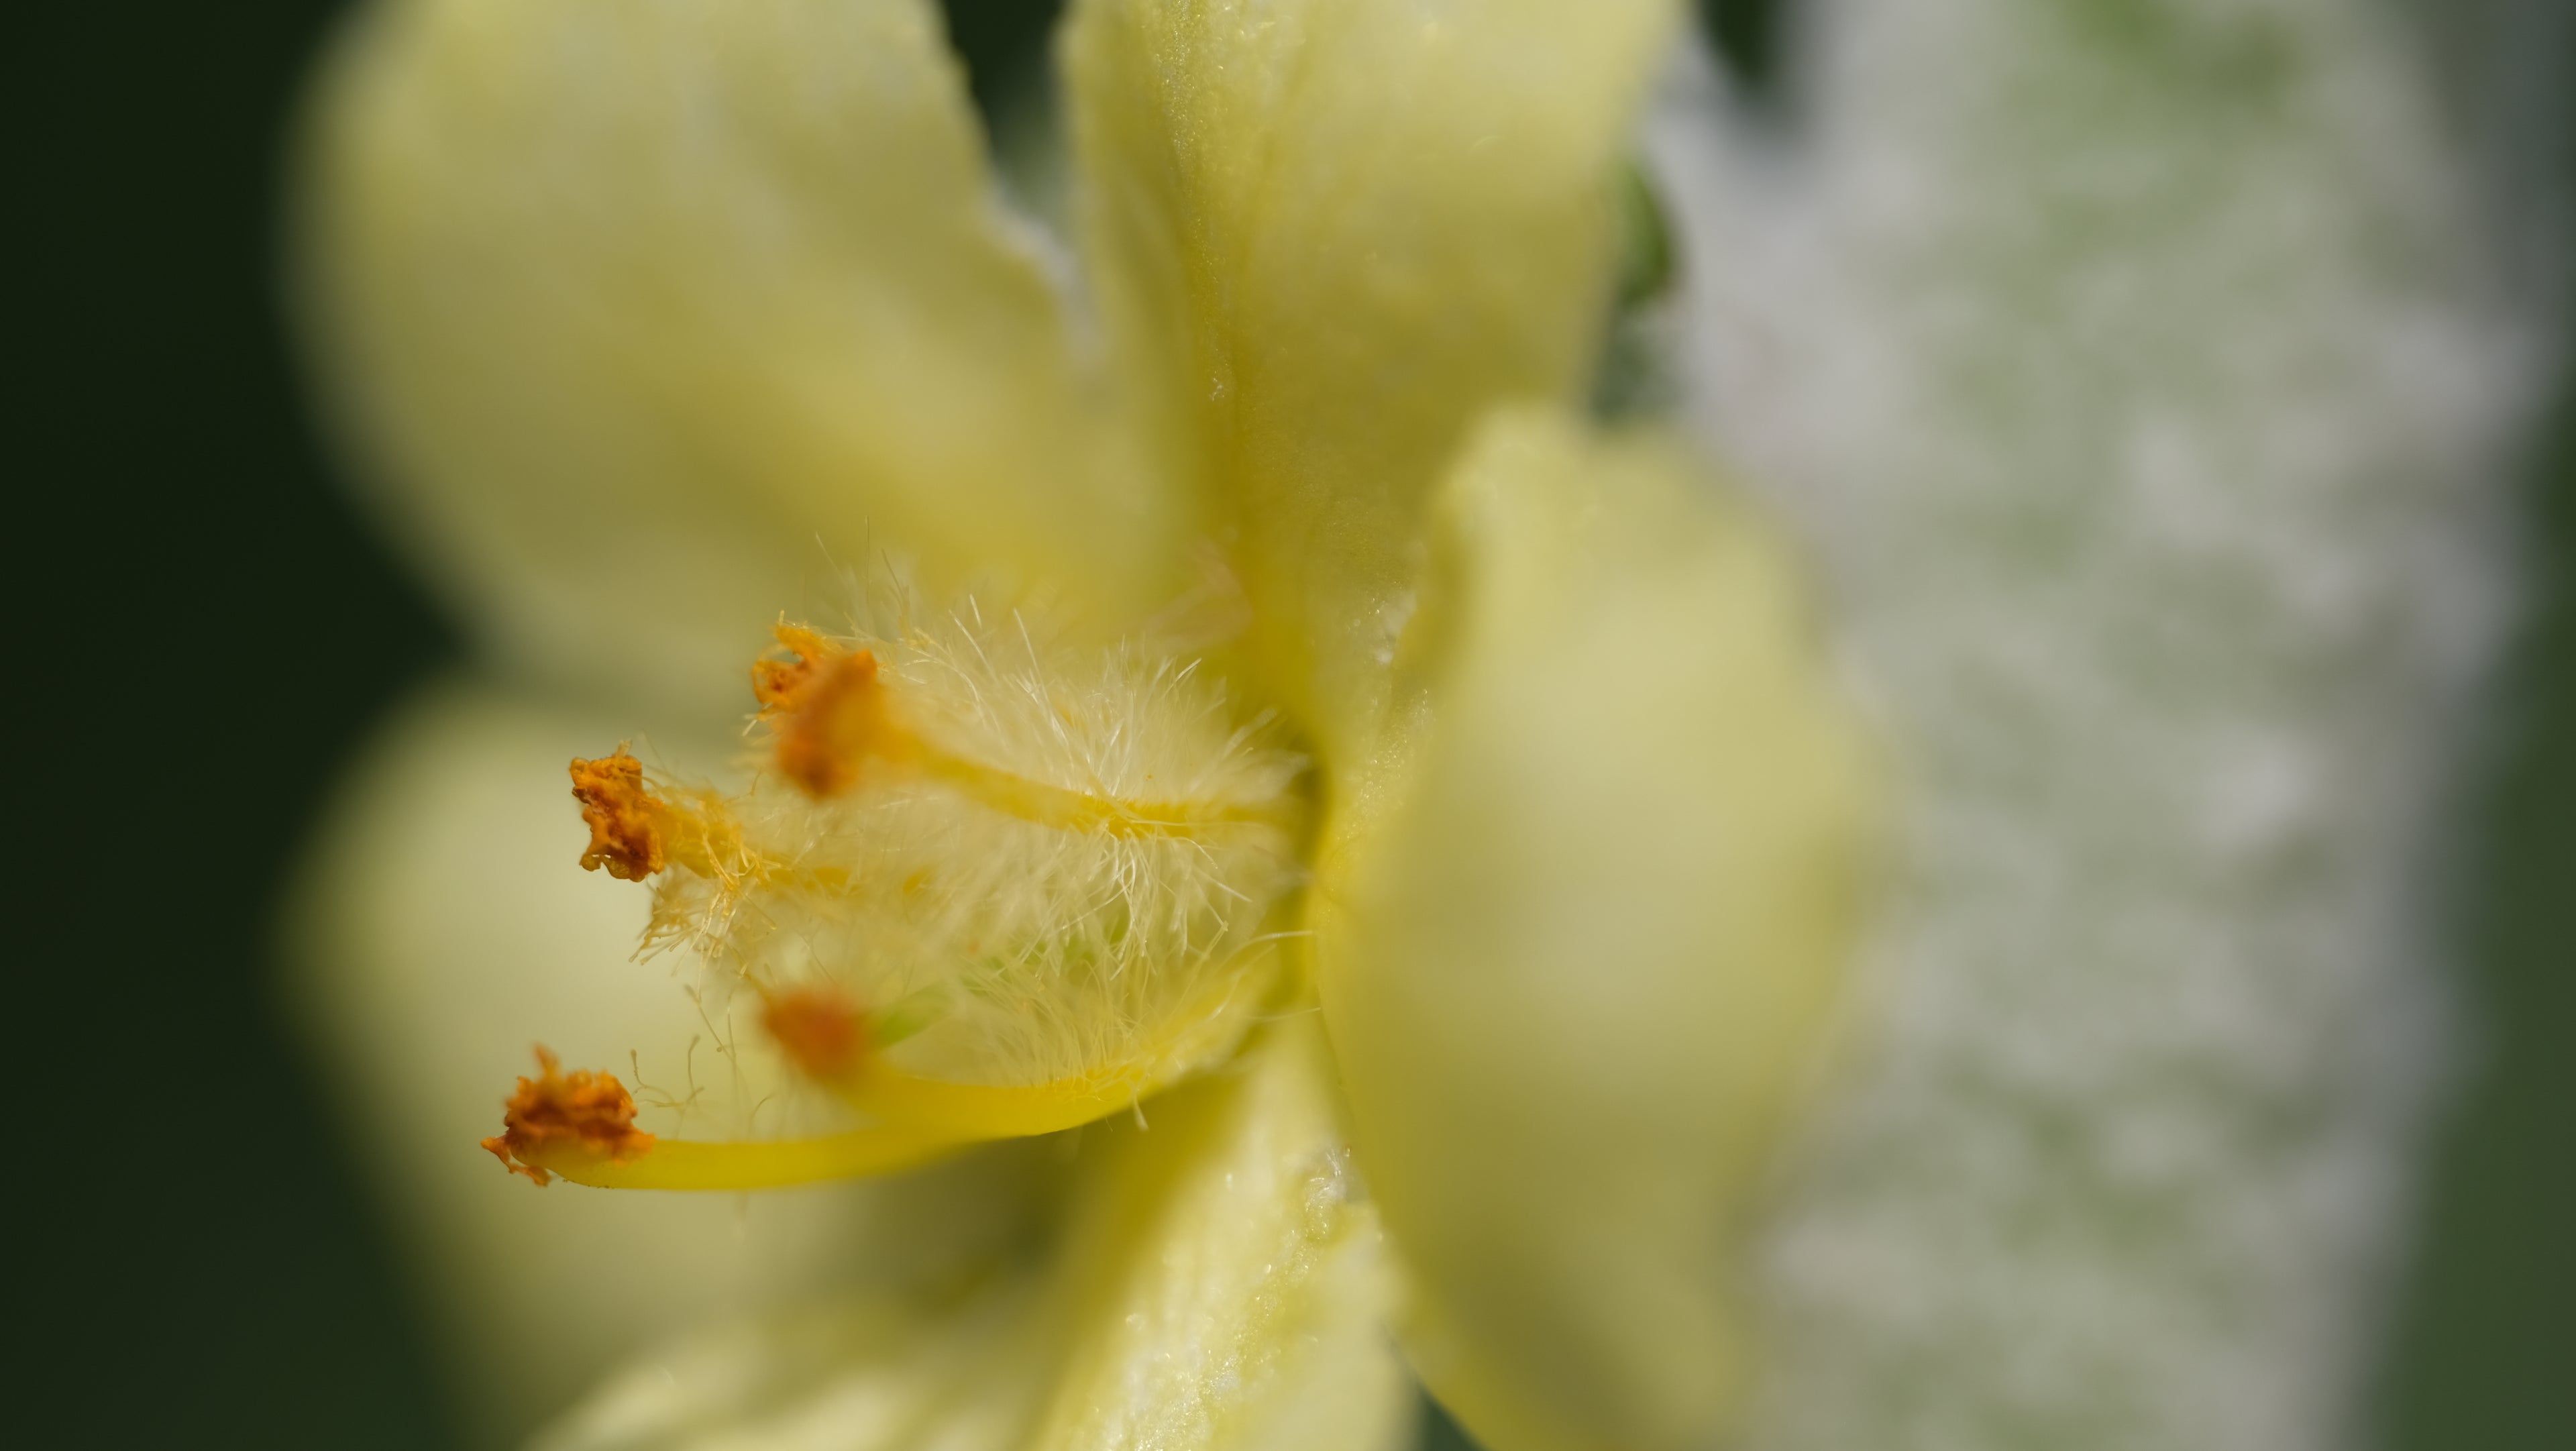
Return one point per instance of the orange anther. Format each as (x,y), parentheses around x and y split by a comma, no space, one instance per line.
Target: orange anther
(583,1108)
(775,683)
(827,709)
(818,1027)
(620,814)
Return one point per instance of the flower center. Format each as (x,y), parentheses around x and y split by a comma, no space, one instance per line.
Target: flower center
(980,887)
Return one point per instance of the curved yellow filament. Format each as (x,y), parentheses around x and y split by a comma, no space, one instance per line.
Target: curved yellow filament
(917,1120)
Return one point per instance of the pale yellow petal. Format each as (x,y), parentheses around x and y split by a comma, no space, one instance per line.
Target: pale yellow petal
(442,925)
(1215,1283)
(953,1371)
(649,318)
(1327,234)
(1228,1283)
(1580,956)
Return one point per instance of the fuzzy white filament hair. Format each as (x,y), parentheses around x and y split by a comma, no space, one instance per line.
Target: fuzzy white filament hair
(1036,950)
(2142,375)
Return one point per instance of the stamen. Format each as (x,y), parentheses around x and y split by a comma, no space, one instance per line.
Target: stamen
(828,709)
(581,1126)
(583,1114)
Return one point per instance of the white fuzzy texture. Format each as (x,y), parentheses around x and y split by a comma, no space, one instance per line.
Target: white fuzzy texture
(1009,950)
(2133,370)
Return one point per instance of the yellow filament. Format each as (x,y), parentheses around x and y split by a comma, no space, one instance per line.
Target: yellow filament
(924,1120)
(703,839)
(917,1120)
(690,1164)
(1065,809)
(934,1106)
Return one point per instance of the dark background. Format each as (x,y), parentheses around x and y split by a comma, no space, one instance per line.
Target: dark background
(201,631)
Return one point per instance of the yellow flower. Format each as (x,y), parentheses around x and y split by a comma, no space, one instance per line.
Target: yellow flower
(1256,629)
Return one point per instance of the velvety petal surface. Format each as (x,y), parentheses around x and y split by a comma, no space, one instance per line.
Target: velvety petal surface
(1328,234)
(441,925)
(1228,1276)
(1580,956)
(646,314)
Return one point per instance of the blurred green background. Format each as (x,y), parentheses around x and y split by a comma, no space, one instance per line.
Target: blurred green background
(203,631)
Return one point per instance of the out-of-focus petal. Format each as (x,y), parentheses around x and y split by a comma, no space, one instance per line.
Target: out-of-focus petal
(1330,233)
(955,1371)
(2146,378)
(645,314)
(442,923)
(1214,1285)
(1579,961)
